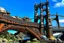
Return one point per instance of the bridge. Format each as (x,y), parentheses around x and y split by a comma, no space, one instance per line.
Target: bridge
(34,29)
(8,22)
(58,30)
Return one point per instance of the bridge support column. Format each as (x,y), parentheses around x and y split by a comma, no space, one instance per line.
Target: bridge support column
(48,24)
(36,13)
(41,19)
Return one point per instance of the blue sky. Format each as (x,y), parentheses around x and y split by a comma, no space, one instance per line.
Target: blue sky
(23,8)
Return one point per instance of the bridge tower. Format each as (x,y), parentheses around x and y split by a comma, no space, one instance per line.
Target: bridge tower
(41,17)
(48,22)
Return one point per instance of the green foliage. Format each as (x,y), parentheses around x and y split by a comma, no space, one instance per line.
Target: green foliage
(7,36)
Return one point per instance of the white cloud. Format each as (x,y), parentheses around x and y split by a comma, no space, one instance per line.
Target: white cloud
(61,21)
(63,1)
(54,0)
(59,4)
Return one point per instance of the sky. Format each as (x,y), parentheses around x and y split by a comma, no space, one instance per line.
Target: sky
(23,8)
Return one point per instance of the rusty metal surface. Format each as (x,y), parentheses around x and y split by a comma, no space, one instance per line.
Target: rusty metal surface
(22,29)
(11,20)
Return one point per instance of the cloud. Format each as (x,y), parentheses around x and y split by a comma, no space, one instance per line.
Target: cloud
(59,4)
(54,0)
(61,21)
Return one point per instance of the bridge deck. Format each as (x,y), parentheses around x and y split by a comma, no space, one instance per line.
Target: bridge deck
(58,30)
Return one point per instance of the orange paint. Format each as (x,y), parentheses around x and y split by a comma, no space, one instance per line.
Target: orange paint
(1,26)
